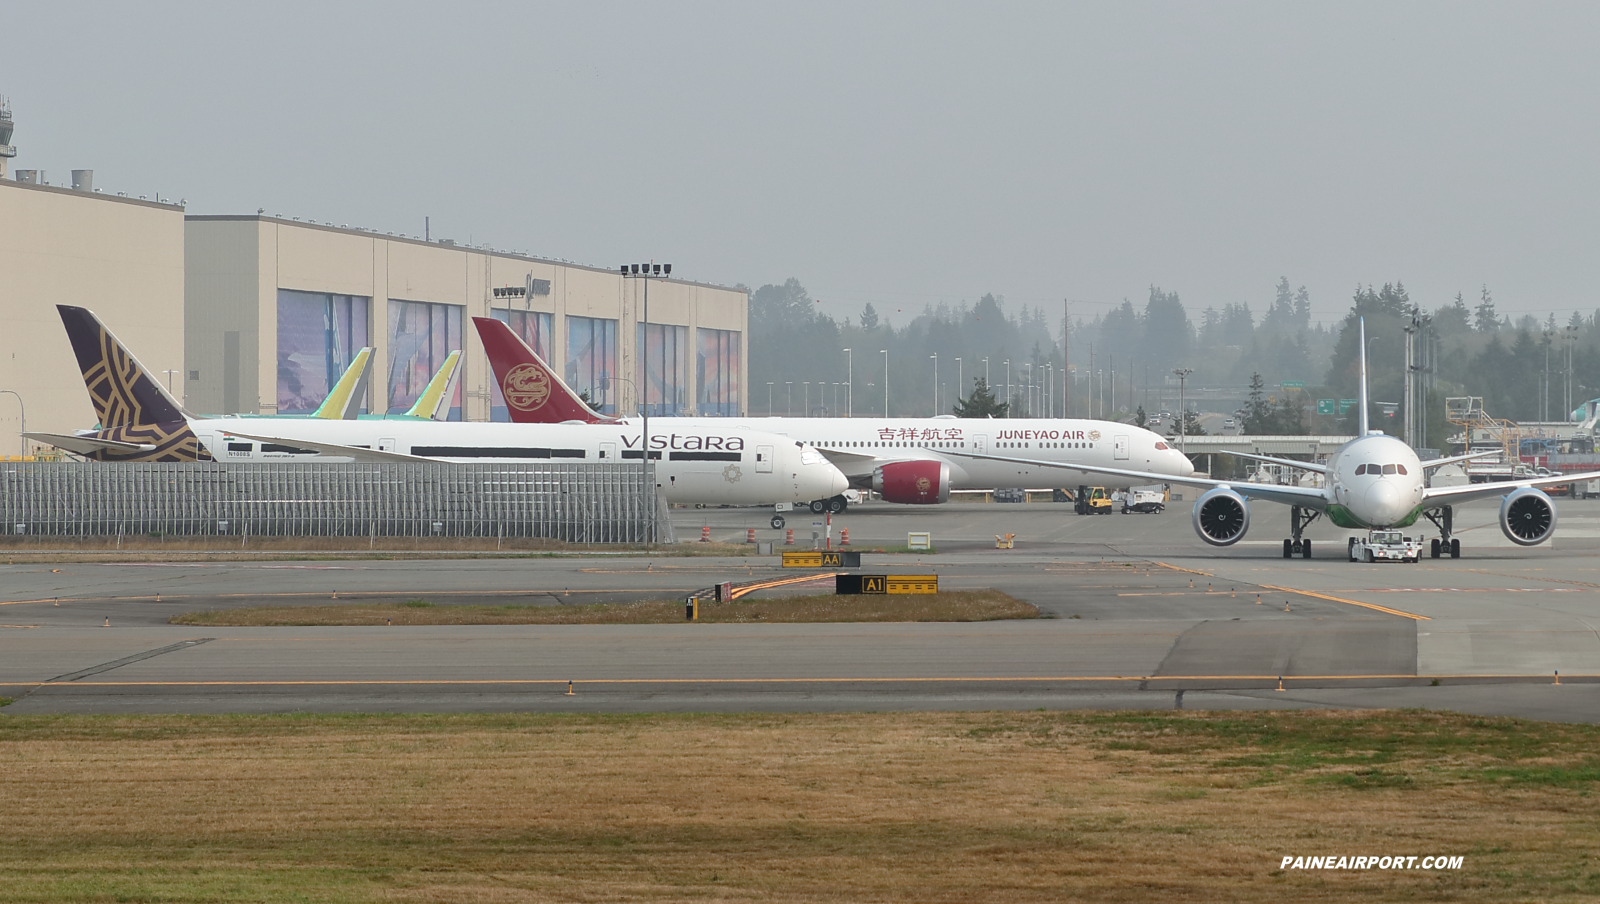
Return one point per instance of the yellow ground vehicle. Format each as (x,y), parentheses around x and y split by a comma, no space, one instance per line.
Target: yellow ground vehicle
(1092,501)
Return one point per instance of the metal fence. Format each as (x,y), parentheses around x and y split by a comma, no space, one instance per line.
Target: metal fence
(588,503)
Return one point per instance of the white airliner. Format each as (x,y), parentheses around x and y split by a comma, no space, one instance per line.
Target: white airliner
(711,461)
(1374,482)
(905,460)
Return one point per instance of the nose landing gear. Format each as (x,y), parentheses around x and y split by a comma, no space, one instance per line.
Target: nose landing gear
(1299,518)
(1443,545)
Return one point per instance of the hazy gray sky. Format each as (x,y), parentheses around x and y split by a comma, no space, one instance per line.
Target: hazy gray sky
(895,153)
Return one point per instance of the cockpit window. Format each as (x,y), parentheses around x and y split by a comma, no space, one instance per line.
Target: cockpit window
(1388,469)
(1161,446)
(1361,469)
(1401,468)
(810,456)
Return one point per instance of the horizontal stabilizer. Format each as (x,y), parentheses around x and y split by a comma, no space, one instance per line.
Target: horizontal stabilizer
(88,445)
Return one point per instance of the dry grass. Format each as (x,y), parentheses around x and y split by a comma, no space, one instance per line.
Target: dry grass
(35,549)
(952,606)
(818,808)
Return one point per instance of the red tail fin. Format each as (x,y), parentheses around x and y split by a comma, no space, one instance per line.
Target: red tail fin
(533,392)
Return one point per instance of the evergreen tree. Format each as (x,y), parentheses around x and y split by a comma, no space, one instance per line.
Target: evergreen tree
(1484,319)
(869,318)
(1258,413)
(981,403)
(1139,417)
(1302,308)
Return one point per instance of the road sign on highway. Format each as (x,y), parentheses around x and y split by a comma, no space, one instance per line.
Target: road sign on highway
(1346,405)
(1293,384)
(1325,406)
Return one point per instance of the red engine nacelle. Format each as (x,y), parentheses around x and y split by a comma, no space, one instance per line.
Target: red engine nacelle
(913,482)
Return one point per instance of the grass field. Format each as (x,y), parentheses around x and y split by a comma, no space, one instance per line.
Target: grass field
(950,606)
(1012,807)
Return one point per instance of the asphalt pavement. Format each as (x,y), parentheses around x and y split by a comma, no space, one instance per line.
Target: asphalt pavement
(1136,610)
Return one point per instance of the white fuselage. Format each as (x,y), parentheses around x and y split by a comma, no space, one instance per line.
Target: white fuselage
(881,440)
(715,462)
(1374,481)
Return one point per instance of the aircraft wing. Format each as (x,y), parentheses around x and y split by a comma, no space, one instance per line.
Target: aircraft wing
(841,458)
(355,452)
(1305,497)
(88,445)
(1475,491)
(1437,462)
(1302,465)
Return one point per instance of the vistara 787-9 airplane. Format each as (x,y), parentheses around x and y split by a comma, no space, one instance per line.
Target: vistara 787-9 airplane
(904,460)
(718,463)
(1373,482)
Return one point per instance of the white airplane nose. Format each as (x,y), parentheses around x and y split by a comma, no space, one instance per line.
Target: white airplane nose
(1384,505)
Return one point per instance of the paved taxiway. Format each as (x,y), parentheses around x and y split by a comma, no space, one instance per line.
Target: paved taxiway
(1126,628)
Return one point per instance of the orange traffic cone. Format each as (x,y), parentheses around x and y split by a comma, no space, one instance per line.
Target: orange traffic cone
(788,538)
(750,535)
(705,534)
(844,536)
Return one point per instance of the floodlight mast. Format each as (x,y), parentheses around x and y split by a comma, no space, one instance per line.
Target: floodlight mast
(643,271)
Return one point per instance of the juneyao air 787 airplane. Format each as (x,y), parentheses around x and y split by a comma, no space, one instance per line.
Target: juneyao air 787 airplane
(905,460)
(1374,482)
(709,462)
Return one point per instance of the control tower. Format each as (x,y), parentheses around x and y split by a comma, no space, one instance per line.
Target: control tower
(6,150)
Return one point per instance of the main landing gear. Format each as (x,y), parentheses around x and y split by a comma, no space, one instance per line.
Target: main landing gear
(835,504)
(1444,544)
(1299,518)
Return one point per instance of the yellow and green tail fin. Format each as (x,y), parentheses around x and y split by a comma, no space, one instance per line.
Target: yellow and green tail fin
(435,400)
(344,402)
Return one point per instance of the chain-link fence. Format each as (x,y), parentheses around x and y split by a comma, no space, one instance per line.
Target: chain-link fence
(588,503)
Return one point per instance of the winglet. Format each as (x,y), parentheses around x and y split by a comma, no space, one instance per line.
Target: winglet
(344,402)
(533,393)
(437,395)
(1362,321)
(123,392)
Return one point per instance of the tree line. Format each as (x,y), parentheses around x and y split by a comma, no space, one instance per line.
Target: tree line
(798,358)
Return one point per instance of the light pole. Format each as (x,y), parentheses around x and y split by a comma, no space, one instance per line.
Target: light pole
(1182,373)
(1008,387)
(643,271)
(850,385)
(788,402)
(960,388)
(885,381)
(769,398)
(24,421)
(1572,340)
(935,357)
(805,389)
(986,374)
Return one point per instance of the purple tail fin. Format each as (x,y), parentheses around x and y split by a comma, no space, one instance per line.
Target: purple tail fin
(122,391)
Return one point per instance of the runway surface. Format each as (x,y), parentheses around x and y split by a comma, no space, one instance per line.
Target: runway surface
(1137,610)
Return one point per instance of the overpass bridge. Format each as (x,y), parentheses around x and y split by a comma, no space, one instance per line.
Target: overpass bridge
(1318,447)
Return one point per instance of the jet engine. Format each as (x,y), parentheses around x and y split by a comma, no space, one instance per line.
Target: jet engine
(913,482)
(1527,516)
(1221,517)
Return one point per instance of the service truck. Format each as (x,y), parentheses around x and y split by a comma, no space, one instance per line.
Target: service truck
(1145,502)
(1385,546)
